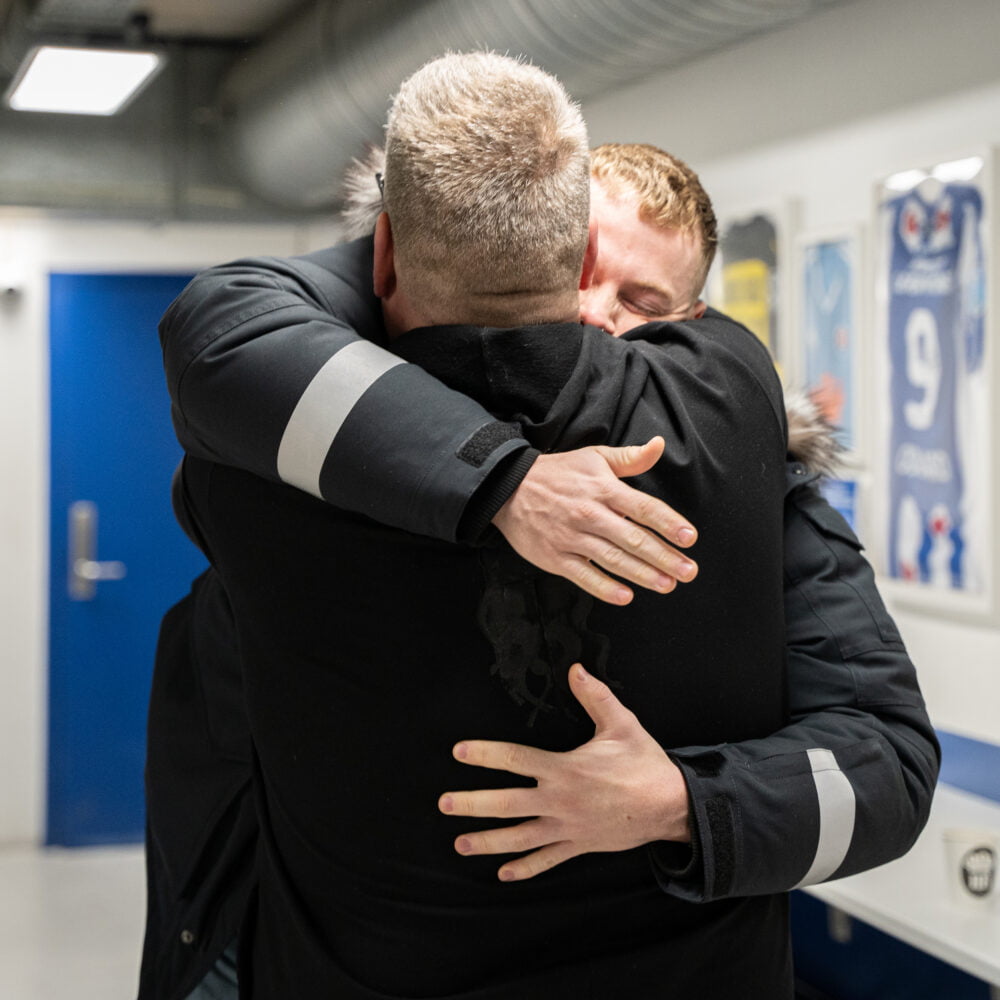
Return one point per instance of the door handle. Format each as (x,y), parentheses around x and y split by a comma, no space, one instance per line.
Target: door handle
(85,571)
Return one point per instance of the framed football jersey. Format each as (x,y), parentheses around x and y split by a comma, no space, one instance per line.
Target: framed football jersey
(935,387)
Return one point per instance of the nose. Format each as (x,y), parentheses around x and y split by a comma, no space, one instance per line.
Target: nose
(598,308)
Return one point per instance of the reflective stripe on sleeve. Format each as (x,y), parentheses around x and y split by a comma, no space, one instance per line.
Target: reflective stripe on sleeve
(836,816)
(323,408)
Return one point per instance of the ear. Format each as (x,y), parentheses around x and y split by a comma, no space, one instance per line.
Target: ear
(589,257)
(383,265)
(699,309)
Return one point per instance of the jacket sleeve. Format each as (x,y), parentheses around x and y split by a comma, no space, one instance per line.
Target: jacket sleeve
(272,367)
(847,785)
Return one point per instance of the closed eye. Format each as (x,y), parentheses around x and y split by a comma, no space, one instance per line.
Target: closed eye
(651,309)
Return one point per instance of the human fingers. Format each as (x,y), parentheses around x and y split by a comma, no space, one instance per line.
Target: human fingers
(586,568)
(542,860)
(653,513)
(633,459)
(529,762)
(499,803)
(599,701)
(634,553)
(588,577)
(527,836)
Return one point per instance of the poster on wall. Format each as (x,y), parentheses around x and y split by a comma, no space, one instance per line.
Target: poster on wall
(828,330)
(748,276)
(935,387)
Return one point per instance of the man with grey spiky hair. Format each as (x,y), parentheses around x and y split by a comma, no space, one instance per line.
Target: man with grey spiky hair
(368,652)
(461,252)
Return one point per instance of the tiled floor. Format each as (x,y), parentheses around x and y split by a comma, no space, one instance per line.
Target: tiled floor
(71,923)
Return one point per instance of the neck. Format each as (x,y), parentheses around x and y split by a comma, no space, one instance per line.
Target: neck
(501,310)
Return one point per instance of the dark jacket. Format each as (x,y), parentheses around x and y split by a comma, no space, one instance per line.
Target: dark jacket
(368,652)
(760,810)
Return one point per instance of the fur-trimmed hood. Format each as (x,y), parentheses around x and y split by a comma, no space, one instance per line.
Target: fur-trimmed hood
(362,195)
(811,439)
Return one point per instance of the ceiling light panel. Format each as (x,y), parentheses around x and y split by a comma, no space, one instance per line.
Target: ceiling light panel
(80,81)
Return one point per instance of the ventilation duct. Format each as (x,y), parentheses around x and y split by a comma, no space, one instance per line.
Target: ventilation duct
(307,102)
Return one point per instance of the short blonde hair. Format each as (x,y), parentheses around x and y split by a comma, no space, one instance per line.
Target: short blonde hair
(670,194)
(486,183)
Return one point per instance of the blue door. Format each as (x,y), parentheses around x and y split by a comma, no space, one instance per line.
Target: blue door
(124,562)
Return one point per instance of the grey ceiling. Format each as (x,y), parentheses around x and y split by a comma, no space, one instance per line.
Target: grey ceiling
(264,103)
(168,18)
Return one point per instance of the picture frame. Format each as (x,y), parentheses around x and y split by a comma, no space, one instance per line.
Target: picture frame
(825,352)
(935,381)
(827,337)
(751,277)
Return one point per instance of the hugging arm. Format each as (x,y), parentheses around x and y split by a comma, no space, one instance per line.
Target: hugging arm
(844,787)
(847,785)
(275,366)
(617,791)
(280,367)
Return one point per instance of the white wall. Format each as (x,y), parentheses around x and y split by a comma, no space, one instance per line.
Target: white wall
(810,118)
(31,246)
